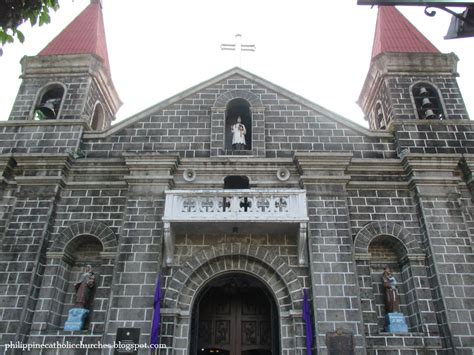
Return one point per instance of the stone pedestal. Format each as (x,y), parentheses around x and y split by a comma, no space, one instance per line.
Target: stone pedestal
(395,323)
(76,318)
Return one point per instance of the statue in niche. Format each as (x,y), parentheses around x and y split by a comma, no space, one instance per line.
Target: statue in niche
(85,289)
(392,300)
(238,135)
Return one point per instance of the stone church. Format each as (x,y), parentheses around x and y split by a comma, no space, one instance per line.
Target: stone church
(301,219)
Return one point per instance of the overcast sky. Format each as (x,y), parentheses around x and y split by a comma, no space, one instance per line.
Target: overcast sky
(312,48)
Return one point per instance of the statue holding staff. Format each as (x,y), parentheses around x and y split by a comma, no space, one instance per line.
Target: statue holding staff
(392,300)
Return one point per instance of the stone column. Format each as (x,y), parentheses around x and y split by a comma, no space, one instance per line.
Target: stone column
(334,286)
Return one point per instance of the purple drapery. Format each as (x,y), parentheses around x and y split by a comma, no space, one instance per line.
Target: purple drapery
(156,313)
(307,320)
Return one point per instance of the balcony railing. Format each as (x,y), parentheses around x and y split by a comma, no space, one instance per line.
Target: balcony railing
(263,205)
(249,205)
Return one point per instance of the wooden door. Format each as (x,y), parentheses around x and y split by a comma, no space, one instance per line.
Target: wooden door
(235,321)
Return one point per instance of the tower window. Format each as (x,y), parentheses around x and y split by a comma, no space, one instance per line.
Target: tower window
(380,120)
(238,125)
(427,102)
(49,103)
(97,122)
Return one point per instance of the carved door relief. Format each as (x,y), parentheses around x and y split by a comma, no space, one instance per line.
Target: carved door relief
(235,320)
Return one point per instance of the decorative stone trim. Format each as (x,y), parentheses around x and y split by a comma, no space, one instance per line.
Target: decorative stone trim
(375,229)
(97,229)
(253,99)
(187,280)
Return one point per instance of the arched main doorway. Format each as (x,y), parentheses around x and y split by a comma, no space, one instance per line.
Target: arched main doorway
(235,315)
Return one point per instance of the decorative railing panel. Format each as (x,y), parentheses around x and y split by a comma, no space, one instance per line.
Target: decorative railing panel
(285,205)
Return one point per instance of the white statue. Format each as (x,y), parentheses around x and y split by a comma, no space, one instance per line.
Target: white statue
(238,135)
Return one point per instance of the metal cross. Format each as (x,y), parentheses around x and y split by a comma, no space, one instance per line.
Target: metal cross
(238,47)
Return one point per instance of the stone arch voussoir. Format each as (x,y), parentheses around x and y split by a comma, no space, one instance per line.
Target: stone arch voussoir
(374,229)
(94,228)
(258,261)
(252,99)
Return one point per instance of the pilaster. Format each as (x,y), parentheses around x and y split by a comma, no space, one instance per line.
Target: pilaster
(334,286)
(435,180)
(140,244)
(39,179)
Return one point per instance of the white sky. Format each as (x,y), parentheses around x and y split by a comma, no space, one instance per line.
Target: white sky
(312,48)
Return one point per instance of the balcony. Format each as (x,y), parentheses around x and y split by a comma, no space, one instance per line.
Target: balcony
(220,210)
(235,205)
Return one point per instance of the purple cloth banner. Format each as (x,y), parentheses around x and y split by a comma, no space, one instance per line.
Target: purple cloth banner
(307,320)
(156,313)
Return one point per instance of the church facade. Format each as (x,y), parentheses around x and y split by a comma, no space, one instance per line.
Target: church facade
(299,219)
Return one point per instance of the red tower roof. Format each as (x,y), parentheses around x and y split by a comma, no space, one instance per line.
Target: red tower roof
(394,33)
(84,35)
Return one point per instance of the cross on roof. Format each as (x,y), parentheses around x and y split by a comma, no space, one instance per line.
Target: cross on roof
(238,47)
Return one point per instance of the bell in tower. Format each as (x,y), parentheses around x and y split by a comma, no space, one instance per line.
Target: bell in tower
(70,78)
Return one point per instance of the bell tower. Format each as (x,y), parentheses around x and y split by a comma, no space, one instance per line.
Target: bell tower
(70,78)
(408,78)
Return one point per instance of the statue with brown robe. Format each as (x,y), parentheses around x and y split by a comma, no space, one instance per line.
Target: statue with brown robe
(392,301)
(85,289)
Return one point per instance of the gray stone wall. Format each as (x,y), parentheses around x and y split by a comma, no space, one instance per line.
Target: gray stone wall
(40,137)
(72,105)
(436,137)
(184,127)
(369,201)
(399,88)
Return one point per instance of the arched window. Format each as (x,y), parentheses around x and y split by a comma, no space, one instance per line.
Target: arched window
(238,125)
(380,120)
(49,102)
(427,102)
(98,116)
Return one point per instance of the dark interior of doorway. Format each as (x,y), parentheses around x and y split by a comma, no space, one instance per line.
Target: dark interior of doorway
(236,299)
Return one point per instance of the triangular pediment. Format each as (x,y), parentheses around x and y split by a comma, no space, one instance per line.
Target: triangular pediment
(235,74)
(200,122)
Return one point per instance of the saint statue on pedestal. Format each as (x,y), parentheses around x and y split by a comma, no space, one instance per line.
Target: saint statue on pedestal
(85,289)
(238,135)
(391,293)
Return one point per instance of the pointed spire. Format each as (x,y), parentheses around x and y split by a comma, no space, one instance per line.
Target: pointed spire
(395,34)
(84,35)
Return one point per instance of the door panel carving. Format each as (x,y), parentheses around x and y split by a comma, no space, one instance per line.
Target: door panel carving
(235,320)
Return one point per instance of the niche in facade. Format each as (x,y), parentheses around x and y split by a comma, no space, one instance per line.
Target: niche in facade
(427,102)
(82,251)
(238,125)
(49,103)
(388,251)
